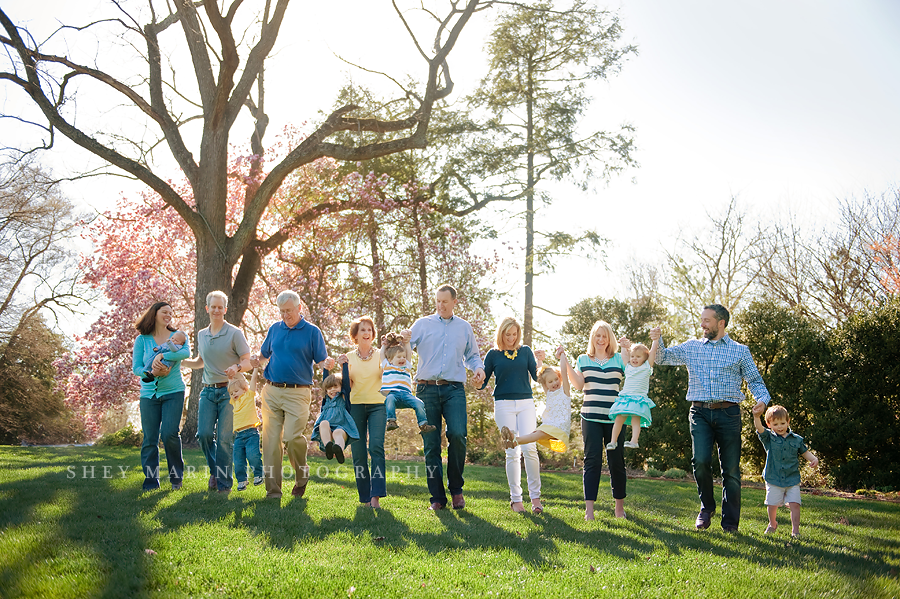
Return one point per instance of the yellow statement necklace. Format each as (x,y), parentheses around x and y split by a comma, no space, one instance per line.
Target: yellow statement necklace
(512,356)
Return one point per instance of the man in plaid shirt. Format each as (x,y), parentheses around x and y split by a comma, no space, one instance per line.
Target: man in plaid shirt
(716,366)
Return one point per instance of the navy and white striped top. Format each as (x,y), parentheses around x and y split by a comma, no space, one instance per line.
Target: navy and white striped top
(601,385)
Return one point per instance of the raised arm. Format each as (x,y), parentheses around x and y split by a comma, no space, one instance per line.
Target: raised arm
(653,347)
(625,345)
(757,422)
(564,370)
(253,379)
(576,378)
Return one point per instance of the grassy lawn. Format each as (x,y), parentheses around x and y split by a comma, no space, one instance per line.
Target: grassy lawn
(63,535)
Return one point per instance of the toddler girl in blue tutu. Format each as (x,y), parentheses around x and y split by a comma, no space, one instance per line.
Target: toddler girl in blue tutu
(633,402)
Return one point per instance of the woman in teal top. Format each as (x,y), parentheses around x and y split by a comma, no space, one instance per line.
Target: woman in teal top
(162,399)
(514,365)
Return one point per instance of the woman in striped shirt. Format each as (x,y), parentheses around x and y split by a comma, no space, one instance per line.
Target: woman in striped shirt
(599,374)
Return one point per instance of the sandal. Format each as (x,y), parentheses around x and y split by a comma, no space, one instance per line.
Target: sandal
(537,510)
(512,507)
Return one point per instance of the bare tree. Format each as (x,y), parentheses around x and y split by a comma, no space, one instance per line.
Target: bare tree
(216,88)
(38,269)
(715,265)
(830,274)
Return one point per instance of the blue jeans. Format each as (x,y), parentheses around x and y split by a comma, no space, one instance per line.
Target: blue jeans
(246,449)
(405,399)
(723,427)
(449,402)
(160,417)
(215,421)
(370,422)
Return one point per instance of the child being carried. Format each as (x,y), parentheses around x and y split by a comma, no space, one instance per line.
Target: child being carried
(335,428)
(556,421)
(175,343)
(632,402)
(396,382)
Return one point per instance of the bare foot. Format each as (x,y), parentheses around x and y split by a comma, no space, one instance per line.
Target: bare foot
(589,515)
(588,510)
(375,503)
(620,514)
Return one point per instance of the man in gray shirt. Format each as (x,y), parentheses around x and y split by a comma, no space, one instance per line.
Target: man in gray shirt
(223,352)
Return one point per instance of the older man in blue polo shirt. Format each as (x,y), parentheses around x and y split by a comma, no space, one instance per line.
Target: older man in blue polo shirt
(290,350)
(716,366)
(446,346)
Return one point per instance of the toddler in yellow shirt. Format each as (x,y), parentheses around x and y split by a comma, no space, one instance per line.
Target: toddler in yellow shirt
(246,434)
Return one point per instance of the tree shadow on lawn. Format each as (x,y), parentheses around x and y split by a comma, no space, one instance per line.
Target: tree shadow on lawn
(97,535)
(771,551)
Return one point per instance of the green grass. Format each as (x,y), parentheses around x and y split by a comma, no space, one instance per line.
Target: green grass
(62,535)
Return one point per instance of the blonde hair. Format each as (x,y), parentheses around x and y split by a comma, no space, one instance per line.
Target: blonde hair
(545,370)
(641,347)
(238,381)
(506,324)
(777,413)
(612,347)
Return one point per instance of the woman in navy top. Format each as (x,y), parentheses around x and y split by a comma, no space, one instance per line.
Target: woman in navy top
(514,365)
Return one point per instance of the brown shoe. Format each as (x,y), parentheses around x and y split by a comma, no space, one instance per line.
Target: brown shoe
(459,501)
(298,491)
(436,506)
(212,482)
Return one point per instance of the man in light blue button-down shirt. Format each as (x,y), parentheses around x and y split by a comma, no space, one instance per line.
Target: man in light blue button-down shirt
(446,346)
(716,367)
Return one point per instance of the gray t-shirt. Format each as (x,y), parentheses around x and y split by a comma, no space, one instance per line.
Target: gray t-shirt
(220,351)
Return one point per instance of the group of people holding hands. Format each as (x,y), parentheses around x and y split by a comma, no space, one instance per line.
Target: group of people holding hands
(360,404)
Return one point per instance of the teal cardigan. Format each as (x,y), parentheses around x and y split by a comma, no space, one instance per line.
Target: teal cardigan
(161,385)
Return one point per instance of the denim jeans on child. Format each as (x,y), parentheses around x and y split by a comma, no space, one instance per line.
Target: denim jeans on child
(405,399)
(246,449)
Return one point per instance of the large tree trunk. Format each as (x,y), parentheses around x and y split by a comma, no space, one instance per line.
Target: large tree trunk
(528,316)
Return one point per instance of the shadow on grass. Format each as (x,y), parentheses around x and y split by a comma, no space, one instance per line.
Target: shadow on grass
(84,521)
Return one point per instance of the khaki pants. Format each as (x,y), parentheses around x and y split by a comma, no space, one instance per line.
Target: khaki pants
(285,413)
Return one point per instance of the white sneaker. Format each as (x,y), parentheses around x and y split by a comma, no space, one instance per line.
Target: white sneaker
(242,485)
(631,444)
(257,480)
(612,445)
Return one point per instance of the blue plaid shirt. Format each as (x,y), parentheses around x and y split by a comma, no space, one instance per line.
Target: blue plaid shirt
(715,369)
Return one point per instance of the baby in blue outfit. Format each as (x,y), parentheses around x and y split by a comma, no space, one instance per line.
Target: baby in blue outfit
(175,343)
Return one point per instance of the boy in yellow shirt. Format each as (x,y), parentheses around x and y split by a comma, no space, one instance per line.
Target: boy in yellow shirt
(246,434)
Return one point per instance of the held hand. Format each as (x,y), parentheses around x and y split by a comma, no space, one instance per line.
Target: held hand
(625,342)
(342,359)
(540,355)
(232,371)
(254,361)
(759,408)
(329,363)
(158,368)
(479,376)
(655,333)
(406,334)
(559,352)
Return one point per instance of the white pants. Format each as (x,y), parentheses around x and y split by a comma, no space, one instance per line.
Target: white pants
(520,417)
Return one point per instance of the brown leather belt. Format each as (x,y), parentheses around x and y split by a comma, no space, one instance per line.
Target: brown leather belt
(216,385)
(288,385)
(437,382)
(713,405)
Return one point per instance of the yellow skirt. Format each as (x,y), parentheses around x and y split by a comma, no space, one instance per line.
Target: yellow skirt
(560,441)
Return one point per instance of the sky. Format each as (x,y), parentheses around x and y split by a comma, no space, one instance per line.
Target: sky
(788,105)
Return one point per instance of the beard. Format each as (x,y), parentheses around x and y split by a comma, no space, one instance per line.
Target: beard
(711,333)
